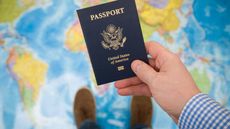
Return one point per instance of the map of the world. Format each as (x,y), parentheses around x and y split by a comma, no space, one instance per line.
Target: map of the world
(44,60)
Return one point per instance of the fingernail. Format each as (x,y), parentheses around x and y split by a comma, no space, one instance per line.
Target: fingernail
(136,66)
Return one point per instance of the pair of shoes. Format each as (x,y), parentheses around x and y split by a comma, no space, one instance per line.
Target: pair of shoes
(85,109)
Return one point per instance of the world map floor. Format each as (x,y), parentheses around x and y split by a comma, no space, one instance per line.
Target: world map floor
(44,61)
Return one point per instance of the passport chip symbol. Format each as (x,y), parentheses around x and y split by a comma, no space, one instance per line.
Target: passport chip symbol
(113,37)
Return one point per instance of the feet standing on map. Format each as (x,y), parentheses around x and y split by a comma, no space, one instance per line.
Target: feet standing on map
(141,112)
(85,111)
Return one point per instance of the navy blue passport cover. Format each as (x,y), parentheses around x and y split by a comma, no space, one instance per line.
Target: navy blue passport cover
(114,39)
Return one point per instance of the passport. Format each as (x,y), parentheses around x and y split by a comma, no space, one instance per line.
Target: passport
(113,38)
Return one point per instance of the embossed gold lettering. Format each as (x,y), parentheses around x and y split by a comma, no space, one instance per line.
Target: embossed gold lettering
(107,14)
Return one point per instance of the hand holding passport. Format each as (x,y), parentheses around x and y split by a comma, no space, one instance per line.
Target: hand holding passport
(114,39)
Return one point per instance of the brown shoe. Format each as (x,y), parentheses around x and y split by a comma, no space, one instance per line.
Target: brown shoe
(141,111)
(84,106)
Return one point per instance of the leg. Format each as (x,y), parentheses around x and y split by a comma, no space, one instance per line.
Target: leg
(141,112)
(85,110)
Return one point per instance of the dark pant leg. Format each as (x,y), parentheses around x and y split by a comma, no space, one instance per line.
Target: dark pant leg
(88,124)
(140,126)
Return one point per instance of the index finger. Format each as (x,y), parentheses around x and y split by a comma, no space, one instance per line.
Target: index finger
(155,49)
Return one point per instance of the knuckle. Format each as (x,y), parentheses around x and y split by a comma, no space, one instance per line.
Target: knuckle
(174,57)
(151,47)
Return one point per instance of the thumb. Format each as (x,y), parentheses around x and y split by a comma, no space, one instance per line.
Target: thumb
(143,71)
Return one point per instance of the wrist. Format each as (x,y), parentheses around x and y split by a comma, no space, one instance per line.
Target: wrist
(183,101)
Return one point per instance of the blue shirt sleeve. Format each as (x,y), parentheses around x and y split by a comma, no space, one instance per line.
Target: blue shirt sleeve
(202,112)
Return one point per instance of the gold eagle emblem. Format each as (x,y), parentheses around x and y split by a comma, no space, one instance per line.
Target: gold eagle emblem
(113,37)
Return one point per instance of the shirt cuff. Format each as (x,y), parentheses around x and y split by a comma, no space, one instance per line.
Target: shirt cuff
(202,112)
